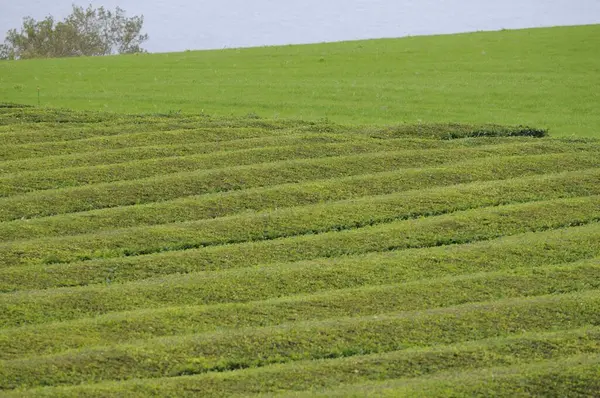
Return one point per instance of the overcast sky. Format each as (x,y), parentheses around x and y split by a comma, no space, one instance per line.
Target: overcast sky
(175,25)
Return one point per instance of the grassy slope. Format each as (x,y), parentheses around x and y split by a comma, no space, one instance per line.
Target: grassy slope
(546,77)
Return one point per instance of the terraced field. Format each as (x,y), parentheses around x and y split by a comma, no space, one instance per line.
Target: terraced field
(178,255)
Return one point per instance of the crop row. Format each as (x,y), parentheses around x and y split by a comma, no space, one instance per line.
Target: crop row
(184,143)
(256,347)
(287,195)
(460,227)
(574,352)
(247,283)
(40,133)
(20,183)
(60,118)
(20,144)
(311,219)
(172,186)
(151,151)
(51,119)
(362,301)
(555,377)
(140,138)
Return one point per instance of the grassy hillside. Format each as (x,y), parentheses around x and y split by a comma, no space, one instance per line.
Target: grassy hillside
(543,77)
(182,255)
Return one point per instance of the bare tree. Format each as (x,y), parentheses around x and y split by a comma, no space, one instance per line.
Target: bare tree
(86,31)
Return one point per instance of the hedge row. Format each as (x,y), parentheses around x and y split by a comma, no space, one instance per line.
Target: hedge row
(176,185)
(247,283)
(287,195)
(256,347)
(303,220)
(566,355)
(115,328)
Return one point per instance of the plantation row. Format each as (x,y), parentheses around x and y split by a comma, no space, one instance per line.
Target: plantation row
(459,227)
(16,117)
(569,360)
(137,139)
(287,195)
(172,186)
(190,147)
(20,118)
(560,376)
(20,183)
(27,133)
(184,255)
(317,219)
(335,338)
(367,299)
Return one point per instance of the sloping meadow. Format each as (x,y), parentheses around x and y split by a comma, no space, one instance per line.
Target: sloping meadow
(186,255)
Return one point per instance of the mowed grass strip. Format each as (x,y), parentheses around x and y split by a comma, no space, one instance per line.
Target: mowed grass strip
(255,347)
(20,183)
(456,228)
(370,300)
(171,186)
(312,219)
(280,280)
(575,376)
(288,195)
(314,375)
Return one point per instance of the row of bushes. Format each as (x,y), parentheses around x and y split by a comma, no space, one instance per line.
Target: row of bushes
(294,221)
(299,194)
(171,186)
(257,347)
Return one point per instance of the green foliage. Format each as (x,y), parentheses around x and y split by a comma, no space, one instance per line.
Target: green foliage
(575,375)
(85,32)
(319,219)
(244,348)
(189,255)
(509,354)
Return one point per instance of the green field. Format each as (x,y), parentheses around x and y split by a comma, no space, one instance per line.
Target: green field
(344,219)
(188,255)
(542,77)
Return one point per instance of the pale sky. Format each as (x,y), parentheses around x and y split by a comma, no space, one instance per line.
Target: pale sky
(176,25)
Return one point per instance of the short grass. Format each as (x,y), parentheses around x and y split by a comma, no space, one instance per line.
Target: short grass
(544,77)
(188,255)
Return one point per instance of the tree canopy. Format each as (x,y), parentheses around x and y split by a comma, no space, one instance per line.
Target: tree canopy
(85,32)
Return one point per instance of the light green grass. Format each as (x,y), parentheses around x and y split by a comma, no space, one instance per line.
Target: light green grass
(544,77)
